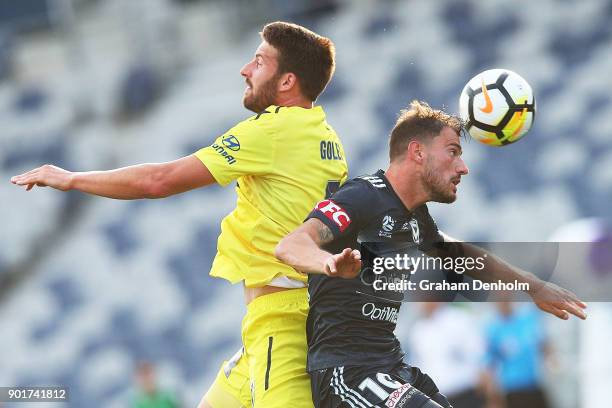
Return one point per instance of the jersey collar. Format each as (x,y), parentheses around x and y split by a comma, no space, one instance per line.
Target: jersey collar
(315,109)
(381,173)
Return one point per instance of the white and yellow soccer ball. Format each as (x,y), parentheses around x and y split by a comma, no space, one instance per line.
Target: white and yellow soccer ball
(497,106)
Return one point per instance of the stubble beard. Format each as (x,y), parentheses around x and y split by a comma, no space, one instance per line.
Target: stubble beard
(436,186)
(264,97)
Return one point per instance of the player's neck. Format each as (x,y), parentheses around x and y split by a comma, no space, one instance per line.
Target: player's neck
(294,100)
(407,186)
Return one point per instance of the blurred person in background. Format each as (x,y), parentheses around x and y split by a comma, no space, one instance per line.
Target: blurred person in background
(448,343)
(149,395)
(284,160)
(516,350)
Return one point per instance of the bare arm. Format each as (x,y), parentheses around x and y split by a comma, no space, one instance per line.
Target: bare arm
(547,296)
(301,250)
(150,180)
(493,395)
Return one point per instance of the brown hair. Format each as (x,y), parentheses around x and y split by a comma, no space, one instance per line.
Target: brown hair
(419,122)
(309,56)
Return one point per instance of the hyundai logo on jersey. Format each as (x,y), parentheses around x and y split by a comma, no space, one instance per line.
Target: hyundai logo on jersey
(231,142)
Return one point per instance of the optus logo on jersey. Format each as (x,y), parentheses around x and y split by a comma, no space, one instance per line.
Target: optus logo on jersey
(387,313)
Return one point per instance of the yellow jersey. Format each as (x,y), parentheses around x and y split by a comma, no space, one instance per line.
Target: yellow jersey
(284,160)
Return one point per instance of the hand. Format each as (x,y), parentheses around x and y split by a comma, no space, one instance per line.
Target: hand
(346,264)
(45,176)
(558,301)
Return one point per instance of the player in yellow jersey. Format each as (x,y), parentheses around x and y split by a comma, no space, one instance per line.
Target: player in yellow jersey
(284,160)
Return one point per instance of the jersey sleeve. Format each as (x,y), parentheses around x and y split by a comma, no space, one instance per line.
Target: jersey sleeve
(245,149)
(345,211)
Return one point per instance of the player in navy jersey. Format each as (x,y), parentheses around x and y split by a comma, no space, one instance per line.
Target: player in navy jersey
(354,358)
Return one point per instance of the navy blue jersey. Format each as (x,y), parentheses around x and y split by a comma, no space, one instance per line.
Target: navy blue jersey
(350,323)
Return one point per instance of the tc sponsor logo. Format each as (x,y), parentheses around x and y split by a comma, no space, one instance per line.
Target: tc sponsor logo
(395,399)
(231,142)
(373,312)
(335,213)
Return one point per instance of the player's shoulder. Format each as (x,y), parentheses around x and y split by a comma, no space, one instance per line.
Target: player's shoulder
(376,188)
(260,119)
(258,124)
(375,181)
(271,115)
(267,121)
(368,188)
(286,115)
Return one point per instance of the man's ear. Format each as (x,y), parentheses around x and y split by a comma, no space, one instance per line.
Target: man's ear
(287,81)
(415,151)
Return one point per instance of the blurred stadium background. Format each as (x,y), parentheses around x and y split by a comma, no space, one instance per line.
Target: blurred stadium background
(89,286)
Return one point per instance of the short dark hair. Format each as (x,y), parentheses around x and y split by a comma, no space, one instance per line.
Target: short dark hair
(419,122)
(310,56)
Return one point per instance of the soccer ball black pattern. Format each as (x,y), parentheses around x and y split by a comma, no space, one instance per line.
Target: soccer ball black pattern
(497,106)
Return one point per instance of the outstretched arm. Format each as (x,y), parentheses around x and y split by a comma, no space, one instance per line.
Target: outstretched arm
(301,250)
(150,180)
(546,295)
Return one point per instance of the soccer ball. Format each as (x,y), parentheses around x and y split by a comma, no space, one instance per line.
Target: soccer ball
(497,106)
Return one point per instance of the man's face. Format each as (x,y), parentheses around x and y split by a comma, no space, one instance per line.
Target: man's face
(261,78)
(443,166)
(145,376)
